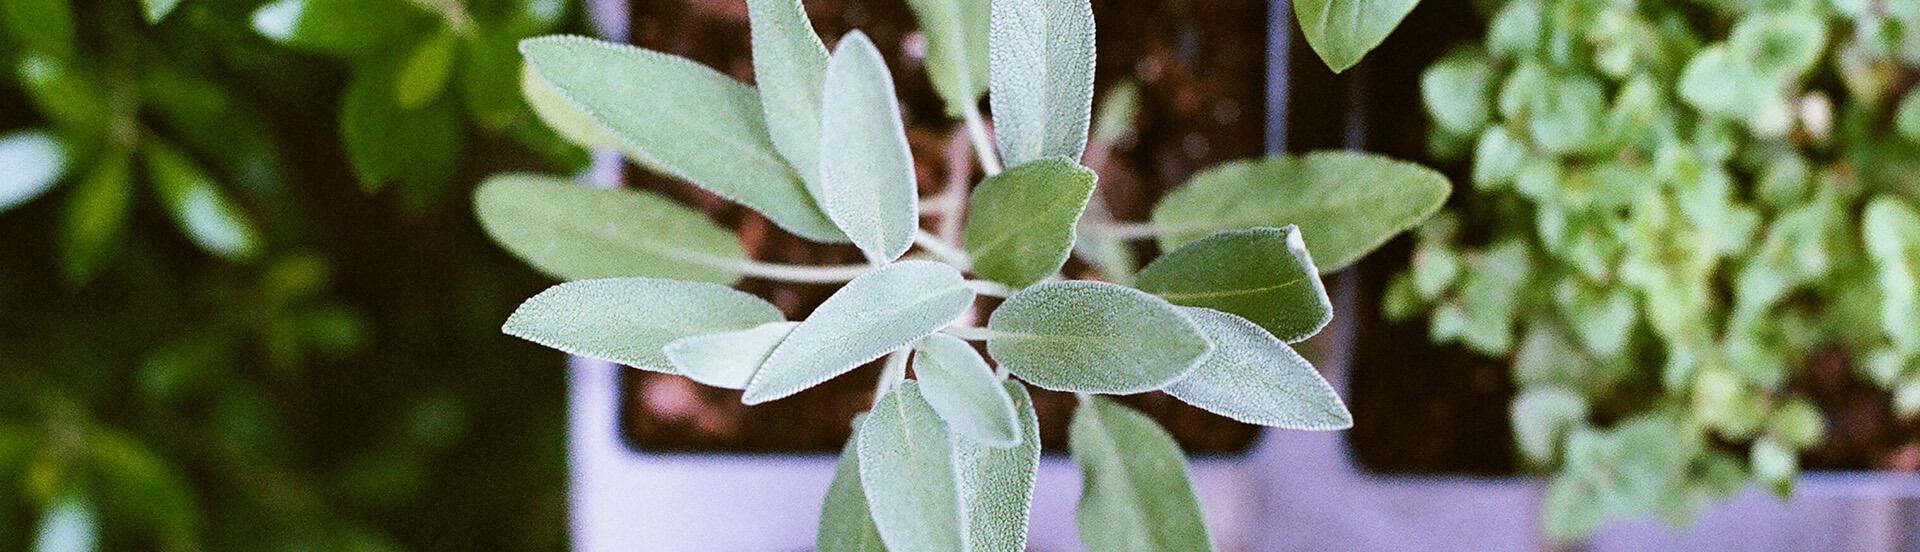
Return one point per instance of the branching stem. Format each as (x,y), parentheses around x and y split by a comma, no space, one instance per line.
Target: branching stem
(940,248)
(982,143)
(1126,230)
(805,274)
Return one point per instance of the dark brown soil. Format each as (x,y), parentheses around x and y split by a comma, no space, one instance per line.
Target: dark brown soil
(1201,64)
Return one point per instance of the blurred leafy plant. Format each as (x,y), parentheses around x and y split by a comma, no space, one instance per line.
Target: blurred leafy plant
(146,406)
(424,72)
(944,460)
(1671,215)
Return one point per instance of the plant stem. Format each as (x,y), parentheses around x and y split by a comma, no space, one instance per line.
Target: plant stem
(991,288)
(940,248)
(1125,230)
(982,144)
(805,274)
(894,373)
(971,333)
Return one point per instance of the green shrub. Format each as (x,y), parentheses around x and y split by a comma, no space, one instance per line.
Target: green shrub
(1675,205)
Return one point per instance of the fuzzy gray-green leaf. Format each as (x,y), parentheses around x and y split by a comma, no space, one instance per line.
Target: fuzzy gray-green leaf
(866,170)
(933,490)
(629,320)
(1040,68)
(1256,378)
(561,115)
(880,311)
(1262,274)
(1021,223)
(727,359)
(962,388)
(790,68)
(1094,337)
(956,32)
(574,232)
(682,119)
(846,523)
(1349,202)
(1135,494)
(1342,31)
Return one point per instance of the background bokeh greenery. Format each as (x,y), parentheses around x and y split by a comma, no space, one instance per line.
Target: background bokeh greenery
(248,308)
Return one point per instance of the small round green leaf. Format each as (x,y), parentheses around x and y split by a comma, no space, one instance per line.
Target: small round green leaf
(1135,494)
(1255,378)
(962,388)
(727,359)
(1021,222)
(1094,337)
(574,232)
(629,320)
(1261,274)
(880,311)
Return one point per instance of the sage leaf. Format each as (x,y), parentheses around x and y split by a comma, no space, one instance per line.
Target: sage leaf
(1264,275)
(96,213)
(727,359)
(932,490)
(1351,202)
(880,311)
(198,206)
(963,390)
(1891,232)
(684,120)
(1343,31)
(1135,494)
(1094,337)
(790,68)
(424,76)
(629,320)
(1040,69)
(846,523)
(1571,509)
(574,232)
(956,32)
(1255,378)
(866,170)
(561,115)
(35,161)
(1021,222)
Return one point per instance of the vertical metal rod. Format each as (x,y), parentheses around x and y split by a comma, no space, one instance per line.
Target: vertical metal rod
(1279,57)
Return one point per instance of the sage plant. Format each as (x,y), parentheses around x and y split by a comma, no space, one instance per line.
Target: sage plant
(944,460)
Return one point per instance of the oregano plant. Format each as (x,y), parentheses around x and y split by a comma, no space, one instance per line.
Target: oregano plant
(945,459)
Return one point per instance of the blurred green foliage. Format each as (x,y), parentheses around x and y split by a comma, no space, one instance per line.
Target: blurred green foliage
(211,338)
(1668,222)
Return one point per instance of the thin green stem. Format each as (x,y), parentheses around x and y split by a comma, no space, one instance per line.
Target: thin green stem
(982,144)
(991,288)
(805,274)
(940,248)
(894,372)
(1125,230)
